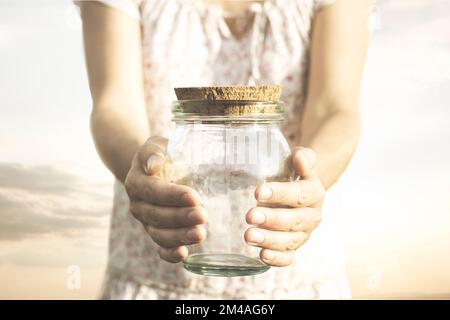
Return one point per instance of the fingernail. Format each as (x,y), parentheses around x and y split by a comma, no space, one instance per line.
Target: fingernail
(152,163)
(192,235)
(181,251)
(195,234)
(265,193)
(197,216)
(258,217)
(268,255)
(193,217)
(190,198)
(306,161)
(203,212)
(255,236)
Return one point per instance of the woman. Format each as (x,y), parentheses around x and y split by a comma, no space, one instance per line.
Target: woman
(137,51)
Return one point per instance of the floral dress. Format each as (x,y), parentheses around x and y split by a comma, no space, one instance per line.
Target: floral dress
(189,43)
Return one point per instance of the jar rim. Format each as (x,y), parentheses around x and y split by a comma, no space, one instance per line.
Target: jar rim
(228,109)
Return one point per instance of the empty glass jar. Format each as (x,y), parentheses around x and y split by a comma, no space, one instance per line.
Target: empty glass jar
(224,149)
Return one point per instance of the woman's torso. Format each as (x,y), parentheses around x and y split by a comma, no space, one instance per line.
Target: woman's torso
(188,43)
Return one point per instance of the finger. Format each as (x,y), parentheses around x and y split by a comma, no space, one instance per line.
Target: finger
(276,240)
(158,192)
(167,217)
(283,219)
(169,238)
(299,193)
(151,155)
(303,161)
(173,255)
(277,258)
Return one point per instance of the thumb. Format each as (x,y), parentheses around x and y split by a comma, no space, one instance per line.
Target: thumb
(303,161)
(155,163)
(151,156)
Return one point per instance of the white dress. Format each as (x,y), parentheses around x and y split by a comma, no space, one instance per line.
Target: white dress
(187,43)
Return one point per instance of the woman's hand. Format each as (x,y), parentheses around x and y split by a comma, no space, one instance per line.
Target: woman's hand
(170,213)
(294,212)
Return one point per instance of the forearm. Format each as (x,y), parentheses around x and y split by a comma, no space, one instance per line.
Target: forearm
(330,123)
(334,139)
(118,135)
(113,51)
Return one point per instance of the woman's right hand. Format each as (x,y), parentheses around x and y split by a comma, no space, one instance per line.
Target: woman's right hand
(171,214)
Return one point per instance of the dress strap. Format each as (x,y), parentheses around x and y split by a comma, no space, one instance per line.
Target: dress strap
(265,13)
(256,42)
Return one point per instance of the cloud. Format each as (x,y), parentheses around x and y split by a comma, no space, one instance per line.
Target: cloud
(40,179)
(38,201)
(22,218)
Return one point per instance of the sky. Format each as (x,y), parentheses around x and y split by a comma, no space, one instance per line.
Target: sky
(392,204)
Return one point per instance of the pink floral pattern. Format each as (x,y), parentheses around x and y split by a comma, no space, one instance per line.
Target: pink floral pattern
(186,43)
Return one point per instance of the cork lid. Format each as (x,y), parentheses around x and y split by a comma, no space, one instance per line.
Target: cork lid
(260,93)
(229,100)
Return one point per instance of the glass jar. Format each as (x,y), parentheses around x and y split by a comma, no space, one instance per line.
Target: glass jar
(223,149)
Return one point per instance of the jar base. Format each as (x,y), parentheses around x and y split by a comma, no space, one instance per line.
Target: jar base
(224,265)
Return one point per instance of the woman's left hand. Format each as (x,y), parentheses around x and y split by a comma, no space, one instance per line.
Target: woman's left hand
(287,212)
